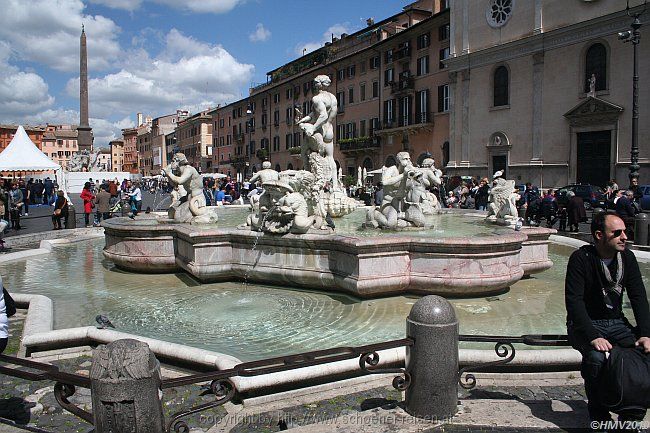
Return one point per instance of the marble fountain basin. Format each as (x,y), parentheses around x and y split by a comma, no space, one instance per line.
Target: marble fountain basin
(364,265)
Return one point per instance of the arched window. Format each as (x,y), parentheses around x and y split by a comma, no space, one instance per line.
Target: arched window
(390,161)
(290,166)
(596,64)
(501,86)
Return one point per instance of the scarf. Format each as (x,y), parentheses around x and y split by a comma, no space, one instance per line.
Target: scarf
(612,286)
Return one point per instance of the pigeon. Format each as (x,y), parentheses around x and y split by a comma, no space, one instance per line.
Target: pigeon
(103,322)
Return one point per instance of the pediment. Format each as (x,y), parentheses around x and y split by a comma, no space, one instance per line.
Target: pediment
(593,111)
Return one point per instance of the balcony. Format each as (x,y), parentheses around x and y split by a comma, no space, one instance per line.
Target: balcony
(404,85)
(359,144)
(403,53)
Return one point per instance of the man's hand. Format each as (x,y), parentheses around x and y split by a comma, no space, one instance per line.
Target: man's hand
(644,342)
(601,344)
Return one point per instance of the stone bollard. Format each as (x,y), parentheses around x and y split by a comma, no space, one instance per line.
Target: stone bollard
(641,229)
(125,382)
(71,219)
(432,361)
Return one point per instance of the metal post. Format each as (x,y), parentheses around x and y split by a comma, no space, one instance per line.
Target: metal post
(71,219)
(641,229)
(432,361)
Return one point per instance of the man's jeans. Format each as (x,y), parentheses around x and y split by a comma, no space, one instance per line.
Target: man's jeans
(618,333)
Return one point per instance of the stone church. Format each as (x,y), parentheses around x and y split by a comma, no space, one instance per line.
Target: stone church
(543,90)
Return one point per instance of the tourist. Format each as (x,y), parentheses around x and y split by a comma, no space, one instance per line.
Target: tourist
(482,194)
(575,211)
(596,277)
(135,196)
(4,322)
(23,188)
(220,196)
(549,208)
(87,196)
(15,205)
(48,190)
(60,211)
(102,205)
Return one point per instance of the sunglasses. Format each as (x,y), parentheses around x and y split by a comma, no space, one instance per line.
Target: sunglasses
(618,233)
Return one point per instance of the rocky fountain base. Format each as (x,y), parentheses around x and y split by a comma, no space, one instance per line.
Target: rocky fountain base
(361,266)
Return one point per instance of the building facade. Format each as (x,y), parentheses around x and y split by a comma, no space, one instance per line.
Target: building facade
(543,90)
(117,155)
(160,128)
(194,139)
(130,162)
(7,133)
(392,90)
(60,143)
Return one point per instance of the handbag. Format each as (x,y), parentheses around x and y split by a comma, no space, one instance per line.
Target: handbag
(10,304)
(626,379)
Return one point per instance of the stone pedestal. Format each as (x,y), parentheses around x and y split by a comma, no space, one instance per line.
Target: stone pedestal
(432,361)
(125,384)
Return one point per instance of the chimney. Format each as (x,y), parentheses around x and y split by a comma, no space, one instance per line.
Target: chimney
(370,22)
(139,122)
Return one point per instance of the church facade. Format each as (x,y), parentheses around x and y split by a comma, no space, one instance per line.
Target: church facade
(543,90)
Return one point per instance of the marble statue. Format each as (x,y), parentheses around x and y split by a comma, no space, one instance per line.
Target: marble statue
(404,188)
(592,86)
(502,203)
(84,160)
(265,174)
(191,207)
(280,210)
(431,180)
(318,127)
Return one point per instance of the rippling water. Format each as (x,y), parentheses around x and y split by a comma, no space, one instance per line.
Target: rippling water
(254,321)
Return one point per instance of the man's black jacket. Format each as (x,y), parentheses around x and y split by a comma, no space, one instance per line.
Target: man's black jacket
(584,294)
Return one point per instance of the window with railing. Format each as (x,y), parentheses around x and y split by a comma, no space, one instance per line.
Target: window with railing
(443,98)
(423,65)
(444,32)
(389,76)
(424,40)
(444,55)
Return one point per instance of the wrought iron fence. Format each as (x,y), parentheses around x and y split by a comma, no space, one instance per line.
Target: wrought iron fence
(223,387)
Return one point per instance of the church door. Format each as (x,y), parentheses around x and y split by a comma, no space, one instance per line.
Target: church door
(594,157)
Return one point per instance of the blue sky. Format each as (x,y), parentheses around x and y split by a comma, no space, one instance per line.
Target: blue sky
(153,56)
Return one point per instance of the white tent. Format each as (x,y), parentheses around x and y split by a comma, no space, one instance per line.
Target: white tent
(23,155)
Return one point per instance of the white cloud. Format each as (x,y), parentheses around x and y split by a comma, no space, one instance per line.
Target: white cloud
(21,92)
(260,34)
(187,73)
(203,6)
(47,32)
(127,5)
(336,30)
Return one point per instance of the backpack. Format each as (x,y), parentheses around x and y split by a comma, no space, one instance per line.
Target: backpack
(626,379)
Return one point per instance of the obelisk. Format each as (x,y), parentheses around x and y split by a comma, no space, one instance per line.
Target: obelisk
(85,132)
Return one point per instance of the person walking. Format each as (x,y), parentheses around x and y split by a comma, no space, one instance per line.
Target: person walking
(102,205)
(575,211)
(48,190)
(87,196)
(60,210)
(596,277)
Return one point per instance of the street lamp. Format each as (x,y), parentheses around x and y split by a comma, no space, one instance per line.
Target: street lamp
(634,36)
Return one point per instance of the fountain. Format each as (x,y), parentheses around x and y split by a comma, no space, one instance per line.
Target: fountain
(288,239)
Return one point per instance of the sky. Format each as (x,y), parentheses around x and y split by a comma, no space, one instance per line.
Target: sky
(155,56)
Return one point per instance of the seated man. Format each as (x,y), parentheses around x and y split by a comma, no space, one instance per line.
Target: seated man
(596,277)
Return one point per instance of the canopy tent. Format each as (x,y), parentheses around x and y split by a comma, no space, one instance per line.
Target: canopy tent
(23,155)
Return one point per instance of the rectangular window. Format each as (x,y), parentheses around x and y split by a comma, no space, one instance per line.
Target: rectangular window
(405,111)
(388,77)
(424,40)
(276,118)
(362,67)
(374,62)
(264,120)
(389,56)
(362,128)
(296,92)
(276,143)
(375,89)
(276,98)
(264,103)
(352,69)
(305,88)
(288,141)
(221,123)
(389,112)
(289,115)
(289,93)
(443,98)
(340,132)
(340,74)
(296,139)
(350,127)
(422,106)
(351,95)
(443,32)
(444,54)
(423,65)
(362,92)
(340,96)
